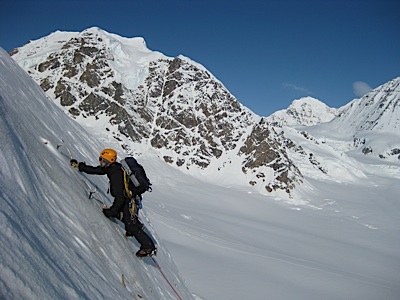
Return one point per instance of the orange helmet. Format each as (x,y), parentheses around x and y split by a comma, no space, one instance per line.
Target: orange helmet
(108,156)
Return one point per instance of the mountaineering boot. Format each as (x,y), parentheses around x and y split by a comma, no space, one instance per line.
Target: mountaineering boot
(146,252)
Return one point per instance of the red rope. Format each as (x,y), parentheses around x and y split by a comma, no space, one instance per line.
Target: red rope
(165,277)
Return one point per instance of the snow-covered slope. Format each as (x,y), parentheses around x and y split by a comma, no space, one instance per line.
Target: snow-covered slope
(55,242)
(331,240)
(379,110)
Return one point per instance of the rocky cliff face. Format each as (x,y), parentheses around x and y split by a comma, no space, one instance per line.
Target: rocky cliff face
(172,104)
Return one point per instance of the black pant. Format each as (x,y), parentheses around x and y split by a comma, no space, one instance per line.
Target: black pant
(133,226)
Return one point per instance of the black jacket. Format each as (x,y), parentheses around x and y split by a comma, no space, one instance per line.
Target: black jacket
(117,189)
(121,202)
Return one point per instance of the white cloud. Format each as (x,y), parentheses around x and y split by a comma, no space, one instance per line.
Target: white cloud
(360,88)
(296,88)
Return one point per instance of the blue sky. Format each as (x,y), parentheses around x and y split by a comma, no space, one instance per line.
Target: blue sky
(267,53)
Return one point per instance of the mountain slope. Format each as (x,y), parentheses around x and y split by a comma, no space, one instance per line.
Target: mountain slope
(55,242)
(379,110)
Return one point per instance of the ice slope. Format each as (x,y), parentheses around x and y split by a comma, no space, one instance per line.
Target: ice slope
(334,240)
(55,242)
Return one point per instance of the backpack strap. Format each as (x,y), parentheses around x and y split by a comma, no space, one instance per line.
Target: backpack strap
(126,184)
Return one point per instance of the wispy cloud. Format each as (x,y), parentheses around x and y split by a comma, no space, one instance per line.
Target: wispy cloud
(360,88)
(296,88)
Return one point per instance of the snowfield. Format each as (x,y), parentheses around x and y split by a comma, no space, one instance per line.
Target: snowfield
(337,237)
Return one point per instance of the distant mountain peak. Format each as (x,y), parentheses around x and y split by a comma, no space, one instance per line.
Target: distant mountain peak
(304,111)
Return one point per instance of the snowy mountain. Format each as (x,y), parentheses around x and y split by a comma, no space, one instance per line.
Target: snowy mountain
(305,111)
(337,237)
(367,126)
(173,105)
(177,107)
(374,121)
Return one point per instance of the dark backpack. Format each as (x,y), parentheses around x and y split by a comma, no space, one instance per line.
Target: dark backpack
(135,178)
